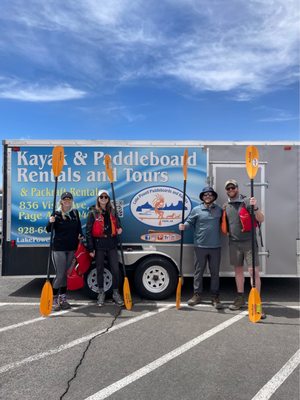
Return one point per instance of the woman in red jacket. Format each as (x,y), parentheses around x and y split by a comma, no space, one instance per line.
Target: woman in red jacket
(102,229)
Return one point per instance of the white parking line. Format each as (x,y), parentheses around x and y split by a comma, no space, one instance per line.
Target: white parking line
(270,387)
(31,321)
(76,342)
(116,386)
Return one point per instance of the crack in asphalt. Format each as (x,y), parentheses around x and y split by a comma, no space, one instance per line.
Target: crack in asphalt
(86,349)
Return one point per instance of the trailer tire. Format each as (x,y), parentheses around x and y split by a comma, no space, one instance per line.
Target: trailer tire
(91,285)
(155,278)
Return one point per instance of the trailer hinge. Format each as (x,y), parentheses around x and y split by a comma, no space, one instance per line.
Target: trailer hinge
(259,184)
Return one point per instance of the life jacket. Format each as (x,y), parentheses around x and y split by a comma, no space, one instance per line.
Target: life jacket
(98,225)
(245,219)
(80,265)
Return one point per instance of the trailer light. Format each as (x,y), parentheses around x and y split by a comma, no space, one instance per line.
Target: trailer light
(12,243)
(287,148)
(15,148)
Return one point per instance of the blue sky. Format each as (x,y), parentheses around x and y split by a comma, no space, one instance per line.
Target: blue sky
(149,69)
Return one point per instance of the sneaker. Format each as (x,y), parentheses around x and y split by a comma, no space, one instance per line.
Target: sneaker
(238,303)
(101,298)
(263,315)
(64,305)
(196,299)
(56,304)
(216,303)
(117,298)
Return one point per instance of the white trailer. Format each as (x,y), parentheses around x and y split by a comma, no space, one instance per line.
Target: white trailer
(148,186)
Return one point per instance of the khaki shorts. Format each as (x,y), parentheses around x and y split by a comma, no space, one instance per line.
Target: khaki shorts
(240,252)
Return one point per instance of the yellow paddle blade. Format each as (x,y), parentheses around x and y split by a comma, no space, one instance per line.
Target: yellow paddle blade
(254,305)
(57,160)
(108,167)
(252,157)
(185,163)
(127,294)
(46,299)
(178,292)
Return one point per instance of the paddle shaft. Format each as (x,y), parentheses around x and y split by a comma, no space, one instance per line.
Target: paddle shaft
(52,230)
(118,236)
(182,232)
(253,232)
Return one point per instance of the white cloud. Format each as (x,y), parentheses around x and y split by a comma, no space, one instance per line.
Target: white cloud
(245,48)
(14,90)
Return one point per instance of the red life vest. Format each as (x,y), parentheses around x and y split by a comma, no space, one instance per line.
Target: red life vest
(245,219)
(98,225)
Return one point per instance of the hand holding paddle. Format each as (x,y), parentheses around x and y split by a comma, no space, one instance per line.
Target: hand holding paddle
(47,292)
(126,288)
(179,285)
(254,301)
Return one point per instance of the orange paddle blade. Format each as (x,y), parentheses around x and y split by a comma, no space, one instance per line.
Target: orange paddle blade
(108,167)
(254,305)
(185,163)
(57,160)
(252,157)
(46,299)
(178,292)
(127,294)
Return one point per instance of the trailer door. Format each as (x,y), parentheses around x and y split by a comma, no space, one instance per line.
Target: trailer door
(222,171)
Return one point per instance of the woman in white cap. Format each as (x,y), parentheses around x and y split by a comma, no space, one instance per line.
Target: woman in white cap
(67,231)
(102,228)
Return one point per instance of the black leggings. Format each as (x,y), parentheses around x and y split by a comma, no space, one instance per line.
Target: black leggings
(113,262)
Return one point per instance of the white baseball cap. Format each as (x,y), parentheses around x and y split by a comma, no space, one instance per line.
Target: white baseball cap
(102,191)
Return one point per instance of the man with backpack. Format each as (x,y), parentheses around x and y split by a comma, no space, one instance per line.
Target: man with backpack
(238,216)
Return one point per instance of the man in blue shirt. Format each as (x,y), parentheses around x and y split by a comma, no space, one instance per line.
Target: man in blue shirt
(205,220)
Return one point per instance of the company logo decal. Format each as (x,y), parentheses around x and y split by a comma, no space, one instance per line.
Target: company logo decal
(159,206)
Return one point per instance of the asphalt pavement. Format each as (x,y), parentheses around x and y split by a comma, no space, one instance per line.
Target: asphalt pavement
(153,351)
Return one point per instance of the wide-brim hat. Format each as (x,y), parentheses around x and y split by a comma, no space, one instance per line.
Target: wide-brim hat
(208,189)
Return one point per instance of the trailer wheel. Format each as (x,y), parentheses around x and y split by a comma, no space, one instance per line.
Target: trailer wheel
(155,278)
(91,285)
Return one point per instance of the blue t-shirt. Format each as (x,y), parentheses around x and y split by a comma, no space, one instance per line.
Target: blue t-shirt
(206,223)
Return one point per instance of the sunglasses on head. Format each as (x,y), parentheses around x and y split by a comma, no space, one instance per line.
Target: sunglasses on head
(103,196)
(230,188)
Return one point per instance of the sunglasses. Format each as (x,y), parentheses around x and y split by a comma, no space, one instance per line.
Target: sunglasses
(103,197)
(230,188)
(67,198)
(208,194)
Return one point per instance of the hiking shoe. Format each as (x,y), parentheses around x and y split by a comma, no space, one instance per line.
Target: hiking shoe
(196,299)
(238,303)
(56,304)
(101,298)
(117,298)
(64,305)
(216,303)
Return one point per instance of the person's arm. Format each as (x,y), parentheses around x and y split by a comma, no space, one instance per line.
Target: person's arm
(259,216)
(88,233)
(191,220)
